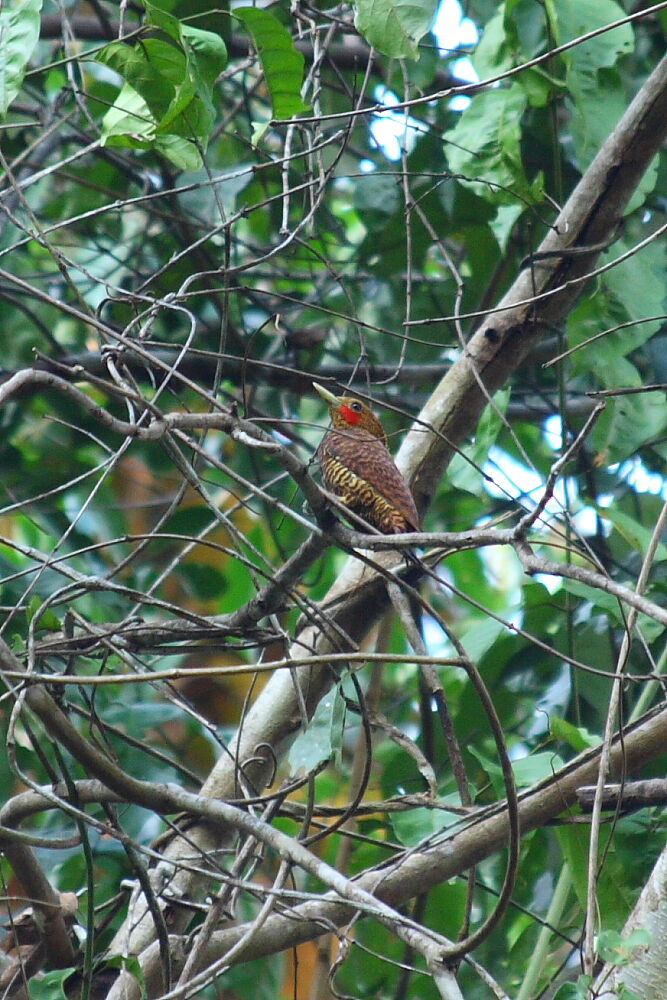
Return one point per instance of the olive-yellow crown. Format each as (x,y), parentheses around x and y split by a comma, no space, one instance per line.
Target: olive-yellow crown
(349,412)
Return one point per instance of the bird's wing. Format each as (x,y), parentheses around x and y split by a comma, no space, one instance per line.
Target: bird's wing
(366,456)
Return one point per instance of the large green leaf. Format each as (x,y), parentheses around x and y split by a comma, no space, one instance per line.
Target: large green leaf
(612,607)
(629,422)
(281,62)
(465,471)
(637,285)
(19,34)
(586,63)
(515,34)
(395,26)
(322,739)
(492,54)
(415,825)
(612,893)
(638,536)
(49,986)
(166,101)
(535,767)
(484,147)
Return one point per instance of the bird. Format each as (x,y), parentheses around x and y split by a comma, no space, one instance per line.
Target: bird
(357,467)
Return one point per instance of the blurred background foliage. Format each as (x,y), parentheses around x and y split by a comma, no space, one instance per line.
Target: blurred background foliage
(163,218)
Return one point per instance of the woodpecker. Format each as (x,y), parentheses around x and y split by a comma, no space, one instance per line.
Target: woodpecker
(358,468)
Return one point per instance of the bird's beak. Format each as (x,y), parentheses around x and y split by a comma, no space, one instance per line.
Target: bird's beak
(326,395)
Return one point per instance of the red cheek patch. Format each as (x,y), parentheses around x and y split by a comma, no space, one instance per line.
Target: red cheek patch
(350,416)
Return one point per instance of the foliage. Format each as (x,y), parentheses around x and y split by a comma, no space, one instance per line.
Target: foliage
(201,210)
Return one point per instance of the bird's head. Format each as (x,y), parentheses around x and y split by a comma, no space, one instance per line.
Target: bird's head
(347,412)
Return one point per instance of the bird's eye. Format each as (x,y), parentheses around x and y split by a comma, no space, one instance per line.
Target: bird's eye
(356,406)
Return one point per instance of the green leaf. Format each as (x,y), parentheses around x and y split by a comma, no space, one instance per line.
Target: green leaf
(395,27)
(617,949)
(631,290)
(635,534)
(48,620)
(578,17)
(19,34)
(50,985)
(281,62)
(574,991)
(492,54)
(502,225)
(592,119)
(153,68)
(614,895)
(259,130)
(578,737)
(130,117)
(323,737)
(206,582)
(513,35)
(628,422)
(491,767)
(598,94)
(166,102)
(182,153)
(611,606)
(480,636)
(535,767)
(415,825)
(207,58)
(484,147)
(465,469)
(377,196)
(131,964)
(637,286)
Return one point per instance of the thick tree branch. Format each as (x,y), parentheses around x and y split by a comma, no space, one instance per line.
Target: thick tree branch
(628,796)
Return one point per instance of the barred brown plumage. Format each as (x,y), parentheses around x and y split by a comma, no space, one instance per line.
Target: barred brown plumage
(358,468)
